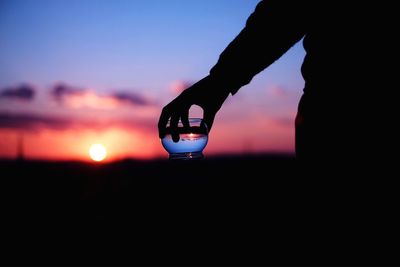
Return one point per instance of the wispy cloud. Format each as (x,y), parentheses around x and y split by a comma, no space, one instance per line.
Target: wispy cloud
(76,97)
(61,91)
(131,98)
(23,92)
(278,91)
(32,122)
(178,87)
(283,121)
(36,122)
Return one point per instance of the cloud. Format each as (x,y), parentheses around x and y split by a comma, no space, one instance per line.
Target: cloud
(75,97)
(35,122)
(278,91)
(178,87)
(61,91)
(283,121)
(23,92)
(32,122)
(131,98)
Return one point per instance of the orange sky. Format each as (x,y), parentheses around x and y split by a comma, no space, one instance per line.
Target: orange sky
(122,143)
(124,135)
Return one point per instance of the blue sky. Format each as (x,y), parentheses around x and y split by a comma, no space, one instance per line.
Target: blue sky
(114,43)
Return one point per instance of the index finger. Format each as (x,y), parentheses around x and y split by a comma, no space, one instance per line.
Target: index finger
(162,122)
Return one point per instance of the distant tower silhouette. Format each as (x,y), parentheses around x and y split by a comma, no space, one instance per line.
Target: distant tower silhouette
(20,147)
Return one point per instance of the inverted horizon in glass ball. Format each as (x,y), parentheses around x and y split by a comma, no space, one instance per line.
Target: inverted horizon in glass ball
(192,140)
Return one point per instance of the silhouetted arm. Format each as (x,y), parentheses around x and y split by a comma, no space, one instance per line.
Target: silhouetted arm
(270,31)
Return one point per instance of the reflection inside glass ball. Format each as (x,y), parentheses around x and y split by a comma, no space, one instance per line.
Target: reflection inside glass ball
(192,140)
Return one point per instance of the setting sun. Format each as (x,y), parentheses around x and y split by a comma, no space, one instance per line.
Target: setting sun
(97,152)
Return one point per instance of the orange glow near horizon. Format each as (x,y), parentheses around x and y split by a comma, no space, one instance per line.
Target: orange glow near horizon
(73,144)
(123,142)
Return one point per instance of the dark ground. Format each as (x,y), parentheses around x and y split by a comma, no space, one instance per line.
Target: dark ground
(154,191)
(261,199)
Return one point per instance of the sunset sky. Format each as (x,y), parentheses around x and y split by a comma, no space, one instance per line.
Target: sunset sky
(74,73)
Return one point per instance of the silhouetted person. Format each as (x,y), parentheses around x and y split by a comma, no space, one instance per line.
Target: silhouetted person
(335,110)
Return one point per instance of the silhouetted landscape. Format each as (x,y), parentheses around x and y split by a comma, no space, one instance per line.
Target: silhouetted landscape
(76,190)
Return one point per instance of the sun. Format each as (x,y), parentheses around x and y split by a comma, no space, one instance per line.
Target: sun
(97,152)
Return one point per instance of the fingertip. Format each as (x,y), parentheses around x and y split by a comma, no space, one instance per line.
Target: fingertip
(174,128)
(175,138)
(185,120)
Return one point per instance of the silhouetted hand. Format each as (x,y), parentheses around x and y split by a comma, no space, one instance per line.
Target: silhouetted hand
(206,93)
